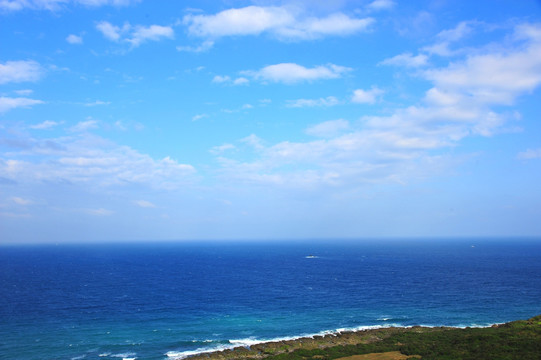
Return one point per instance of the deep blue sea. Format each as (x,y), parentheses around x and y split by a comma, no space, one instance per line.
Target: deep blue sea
(166,301)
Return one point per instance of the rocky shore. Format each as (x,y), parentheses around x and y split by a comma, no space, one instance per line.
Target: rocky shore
(266,349)
(519,339)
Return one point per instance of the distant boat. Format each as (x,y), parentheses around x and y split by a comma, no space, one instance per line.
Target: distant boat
(311,257)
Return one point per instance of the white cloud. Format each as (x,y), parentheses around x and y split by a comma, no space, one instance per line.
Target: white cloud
(91,161)
(447,37)
(460,31)
(227,79)
(377,5)
(199,117)
(47,124)
(24,92)
(330,128)
(84,126)
(464,99)
(20,71)
(74,39)
(241,81)
(216,150)
(334,25)
(144,204)
(530,154)
(254,141)
(205,46)
(361,96)
(8,103)
(21,201)
(407,59)
(290,73)
(135,35)
(251,20)
(281,22)
(325,102)
(529,32)
(107,2)
(97,103)
(493,77)
(98,212)
(152,32)
(221,79)
(53,5)
(110,31)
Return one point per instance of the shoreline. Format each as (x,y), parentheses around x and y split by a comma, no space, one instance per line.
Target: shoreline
(511,338)
(259,349)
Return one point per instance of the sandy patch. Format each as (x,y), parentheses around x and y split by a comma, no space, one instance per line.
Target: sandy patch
(391,355)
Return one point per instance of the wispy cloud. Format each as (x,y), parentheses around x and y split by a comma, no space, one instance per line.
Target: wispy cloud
(144,204)
(9,103)
(530,154)
(84,126)
(463,101)
(199,117)
(134,35)
(216,150)
(74,39)
(361,96)
(225,79)
(54,5)
(321,102)
(20,201)
(328,129)
(20,71)
(290,73)
(205,46)
(91,161)
(47,124)
(407,59)
(24,92)
(378,5)
(97,103)
(98,212)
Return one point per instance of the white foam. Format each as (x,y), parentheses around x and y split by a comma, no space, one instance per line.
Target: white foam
(178,355)
(247,342)
(125,356)
(104,354)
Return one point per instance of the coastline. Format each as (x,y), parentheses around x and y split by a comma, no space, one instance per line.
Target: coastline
(381,339)
(260,349)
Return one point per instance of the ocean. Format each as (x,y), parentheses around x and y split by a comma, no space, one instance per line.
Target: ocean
(170,300)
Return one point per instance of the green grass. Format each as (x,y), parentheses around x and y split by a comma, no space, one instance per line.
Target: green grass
(515,340)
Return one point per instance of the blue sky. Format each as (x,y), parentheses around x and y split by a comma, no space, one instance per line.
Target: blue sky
(127,120)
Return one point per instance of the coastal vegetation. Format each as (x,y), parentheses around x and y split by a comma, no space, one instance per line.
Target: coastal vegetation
(515,340)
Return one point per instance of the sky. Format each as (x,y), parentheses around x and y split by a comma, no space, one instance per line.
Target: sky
(131,120)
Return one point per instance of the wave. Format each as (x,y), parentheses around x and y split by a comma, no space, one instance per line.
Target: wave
(125,356)
(248,342)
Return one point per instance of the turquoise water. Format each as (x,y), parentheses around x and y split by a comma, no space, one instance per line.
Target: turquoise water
(166,301)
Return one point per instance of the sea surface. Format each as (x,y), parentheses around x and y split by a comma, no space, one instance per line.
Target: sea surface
(170,300)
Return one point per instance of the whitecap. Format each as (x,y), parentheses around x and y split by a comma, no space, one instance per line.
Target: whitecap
(251,341)
(125,356)
(178,355)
